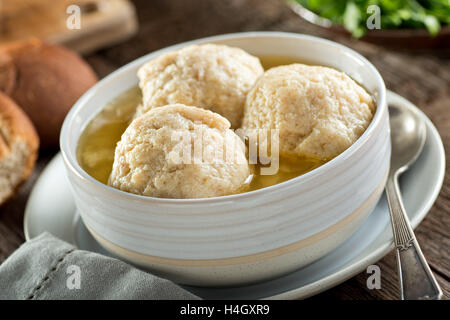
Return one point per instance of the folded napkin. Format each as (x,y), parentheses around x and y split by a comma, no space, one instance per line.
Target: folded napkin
(49,268)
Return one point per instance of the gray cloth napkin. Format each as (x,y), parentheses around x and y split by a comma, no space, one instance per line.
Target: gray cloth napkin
(49,268)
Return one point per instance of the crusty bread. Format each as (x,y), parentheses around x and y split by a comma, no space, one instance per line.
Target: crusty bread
(45,81)
(19,144)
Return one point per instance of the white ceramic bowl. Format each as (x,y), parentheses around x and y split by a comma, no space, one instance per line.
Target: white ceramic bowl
(241,238)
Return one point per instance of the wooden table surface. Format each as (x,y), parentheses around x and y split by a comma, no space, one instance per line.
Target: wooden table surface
(423,78)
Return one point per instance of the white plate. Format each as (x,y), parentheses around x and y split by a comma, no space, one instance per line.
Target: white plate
(51,208)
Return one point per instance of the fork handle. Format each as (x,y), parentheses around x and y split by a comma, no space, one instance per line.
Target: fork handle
(416,279)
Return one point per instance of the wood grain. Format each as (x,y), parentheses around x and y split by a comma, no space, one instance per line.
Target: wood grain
(422,78)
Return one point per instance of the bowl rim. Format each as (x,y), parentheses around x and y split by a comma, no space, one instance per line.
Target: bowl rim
(72,163)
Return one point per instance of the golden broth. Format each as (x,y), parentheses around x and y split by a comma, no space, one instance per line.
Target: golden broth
(98,141)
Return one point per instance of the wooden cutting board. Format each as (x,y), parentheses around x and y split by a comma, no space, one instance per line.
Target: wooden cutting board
(102,22)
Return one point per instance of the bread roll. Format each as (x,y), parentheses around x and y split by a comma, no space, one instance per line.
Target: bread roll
(318,111)
(19,144)
(45,81)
